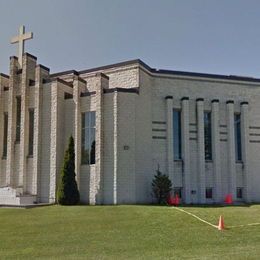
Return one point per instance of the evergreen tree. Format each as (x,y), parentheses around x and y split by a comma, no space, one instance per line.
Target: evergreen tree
(68,193)
(161,187)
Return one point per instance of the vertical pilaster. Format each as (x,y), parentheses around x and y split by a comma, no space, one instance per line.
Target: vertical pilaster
(185,122)
(201,150)
(98,180)
(169,143)
(231,148)
(216,150)
(59,88)
(40,73)
(245,152)
(13,85)
(29,65)
(115,112)
(2,174)
(54,141)
(79,85)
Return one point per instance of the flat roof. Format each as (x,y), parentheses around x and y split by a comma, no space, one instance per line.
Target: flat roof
(160,71)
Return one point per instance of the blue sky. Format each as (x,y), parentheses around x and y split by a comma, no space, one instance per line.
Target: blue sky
(211,36)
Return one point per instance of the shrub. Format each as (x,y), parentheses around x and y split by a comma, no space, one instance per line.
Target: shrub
(68,193)
(161,187)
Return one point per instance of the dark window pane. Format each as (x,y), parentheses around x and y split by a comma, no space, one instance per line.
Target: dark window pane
(207,136)
(88,138)
(239,193)
(84,141)
(83,120)
(87,119)
(93,153)
(92,145)
(209,193)
(31,131)
(177,191)
(5,134)
(18,118)
(177,134)
(92,119)
(237,128)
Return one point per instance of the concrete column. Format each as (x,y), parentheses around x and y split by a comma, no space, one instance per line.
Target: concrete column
(2,177)
(13,85)
(245,152)
(115,112)
(54,141)
(201,151)
(29,64)
(97,181)
(79,86)
(185,122)
(231,148)
(3,81)
(58,89)
(40,74)
(169,143)
(216,151)
(1,115)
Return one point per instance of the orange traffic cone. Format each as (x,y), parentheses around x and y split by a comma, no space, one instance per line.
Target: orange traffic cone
(221,223)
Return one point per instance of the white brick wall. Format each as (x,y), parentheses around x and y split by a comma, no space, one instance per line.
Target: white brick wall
(210,90)
(44,176)
(129,138)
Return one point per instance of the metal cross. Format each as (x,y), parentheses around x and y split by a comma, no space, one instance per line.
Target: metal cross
(20,39)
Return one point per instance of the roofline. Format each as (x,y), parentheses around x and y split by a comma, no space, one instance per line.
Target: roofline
(160,71)
(66,72)
(206,75)
(120,64)
(4,75)
(115,65)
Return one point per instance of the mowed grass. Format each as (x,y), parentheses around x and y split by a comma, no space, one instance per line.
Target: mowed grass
(128,232)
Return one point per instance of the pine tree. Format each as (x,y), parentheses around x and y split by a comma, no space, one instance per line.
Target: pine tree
(68,193)
(161,187)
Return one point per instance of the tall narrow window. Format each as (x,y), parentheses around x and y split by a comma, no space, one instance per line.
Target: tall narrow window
(88,138)
(18,118)
(5,135)
(31,131)
(207,136)
(239,193)
(237,128)
(209,193)
(177,134)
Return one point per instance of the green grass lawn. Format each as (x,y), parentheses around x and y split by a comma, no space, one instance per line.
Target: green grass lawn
(128,232)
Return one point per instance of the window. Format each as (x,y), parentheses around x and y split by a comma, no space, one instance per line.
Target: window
(88,138)
(5,135)
(31,131)
(177,134)
(31,82)
(207,136)
(18,119)
(209,193)
(237,129)
(239,192)
(177,191)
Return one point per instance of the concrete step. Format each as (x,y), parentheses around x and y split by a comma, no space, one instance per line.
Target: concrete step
(14,196)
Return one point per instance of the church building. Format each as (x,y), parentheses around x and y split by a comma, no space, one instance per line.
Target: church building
(127,119)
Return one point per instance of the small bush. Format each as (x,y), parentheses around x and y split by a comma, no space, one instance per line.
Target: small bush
(161,187)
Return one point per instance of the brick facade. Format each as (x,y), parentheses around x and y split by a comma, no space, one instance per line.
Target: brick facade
(134,132)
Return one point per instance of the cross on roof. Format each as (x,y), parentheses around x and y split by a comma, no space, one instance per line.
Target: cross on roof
(20,39)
